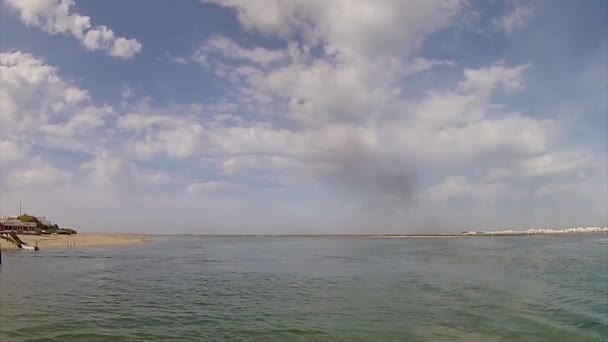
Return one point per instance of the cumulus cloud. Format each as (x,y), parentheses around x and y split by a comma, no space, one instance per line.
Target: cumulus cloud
(516,19)
(21,169)
(214,188)
(42,109)
(36,176)
(351,128)
(370,28)
(378,160)
(80,124)
(230,49)
(58,17)
(342,112)
(38,103)
(33,92)
(346,115)
(109,172)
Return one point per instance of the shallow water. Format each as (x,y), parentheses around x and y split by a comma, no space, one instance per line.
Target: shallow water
(311,289)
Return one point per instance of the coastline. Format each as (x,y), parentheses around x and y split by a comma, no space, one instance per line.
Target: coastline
(86,240)
(384,236)
(79,240)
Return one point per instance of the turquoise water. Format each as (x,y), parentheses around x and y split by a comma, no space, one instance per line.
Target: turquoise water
(311,289)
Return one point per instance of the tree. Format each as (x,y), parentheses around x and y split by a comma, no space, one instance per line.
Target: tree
(54,228)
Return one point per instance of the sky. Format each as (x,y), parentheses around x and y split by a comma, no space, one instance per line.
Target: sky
(304,116)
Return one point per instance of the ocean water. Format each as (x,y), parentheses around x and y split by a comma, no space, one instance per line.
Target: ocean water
(311,289)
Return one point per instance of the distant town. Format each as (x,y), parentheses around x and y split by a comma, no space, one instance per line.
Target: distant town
(538,231)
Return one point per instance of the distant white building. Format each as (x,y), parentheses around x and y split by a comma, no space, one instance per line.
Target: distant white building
(42,219)
(535,231)
(16,226)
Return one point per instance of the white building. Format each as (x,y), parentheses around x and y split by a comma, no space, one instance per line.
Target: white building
(16,226)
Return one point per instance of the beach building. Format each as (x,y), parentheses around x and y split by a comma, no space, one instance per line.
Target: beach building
(16,226)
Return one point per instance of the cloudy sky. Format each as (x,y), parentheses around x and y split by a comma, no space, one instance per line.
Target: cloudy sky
(304,116)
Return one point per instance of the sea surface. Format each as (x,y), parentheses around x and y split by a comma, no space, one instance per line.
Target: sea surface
(552,288)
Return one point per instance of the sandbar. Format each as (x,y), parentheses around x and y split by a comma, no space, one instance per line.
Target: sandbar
(76,241)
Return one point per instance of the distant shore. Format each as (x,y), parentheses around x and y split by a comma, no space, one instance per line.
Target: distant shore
(387,236)
(114,239)
(78,240)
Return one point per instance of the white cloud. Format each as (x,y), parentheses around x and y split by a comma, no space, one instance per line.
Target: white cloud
(109,172)
(125,48)
(36,176)
(214,188)
(420,64)
(554,163)
(22,170)
(514,20)
(349,128)
(40,104)
(349,125)
(200,58)
(180,60)
(57,17)
(334,113)
(163,135)
(232,50)
(99,38)
(376,152)
(487,78)
(471,100)
(458,187)
(80,124)
(33,93)
(74,96)
(371,28)
(10,152)
(367,49)
(127,92)
(512,133)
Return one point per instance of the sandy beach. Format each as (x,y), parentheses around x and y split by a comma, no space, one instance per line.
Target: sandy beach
(79,240)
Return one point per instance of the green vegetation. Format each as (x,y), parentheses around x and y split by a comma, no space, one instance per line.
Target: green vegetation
(46,229)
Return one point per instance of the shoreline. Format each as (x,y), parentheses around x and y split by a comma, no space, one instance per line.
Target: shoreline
(85,240)
(388,236)
(90,240)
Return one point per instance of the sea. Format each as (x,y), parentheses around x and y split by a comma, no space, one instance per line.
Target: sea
(202,288)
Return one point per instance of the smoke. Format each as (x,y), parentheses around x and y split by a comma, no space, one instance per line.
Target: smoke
(361,169)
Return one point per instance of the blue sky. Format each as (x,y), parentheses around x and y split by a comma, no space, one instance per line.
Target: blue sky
(338,116)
